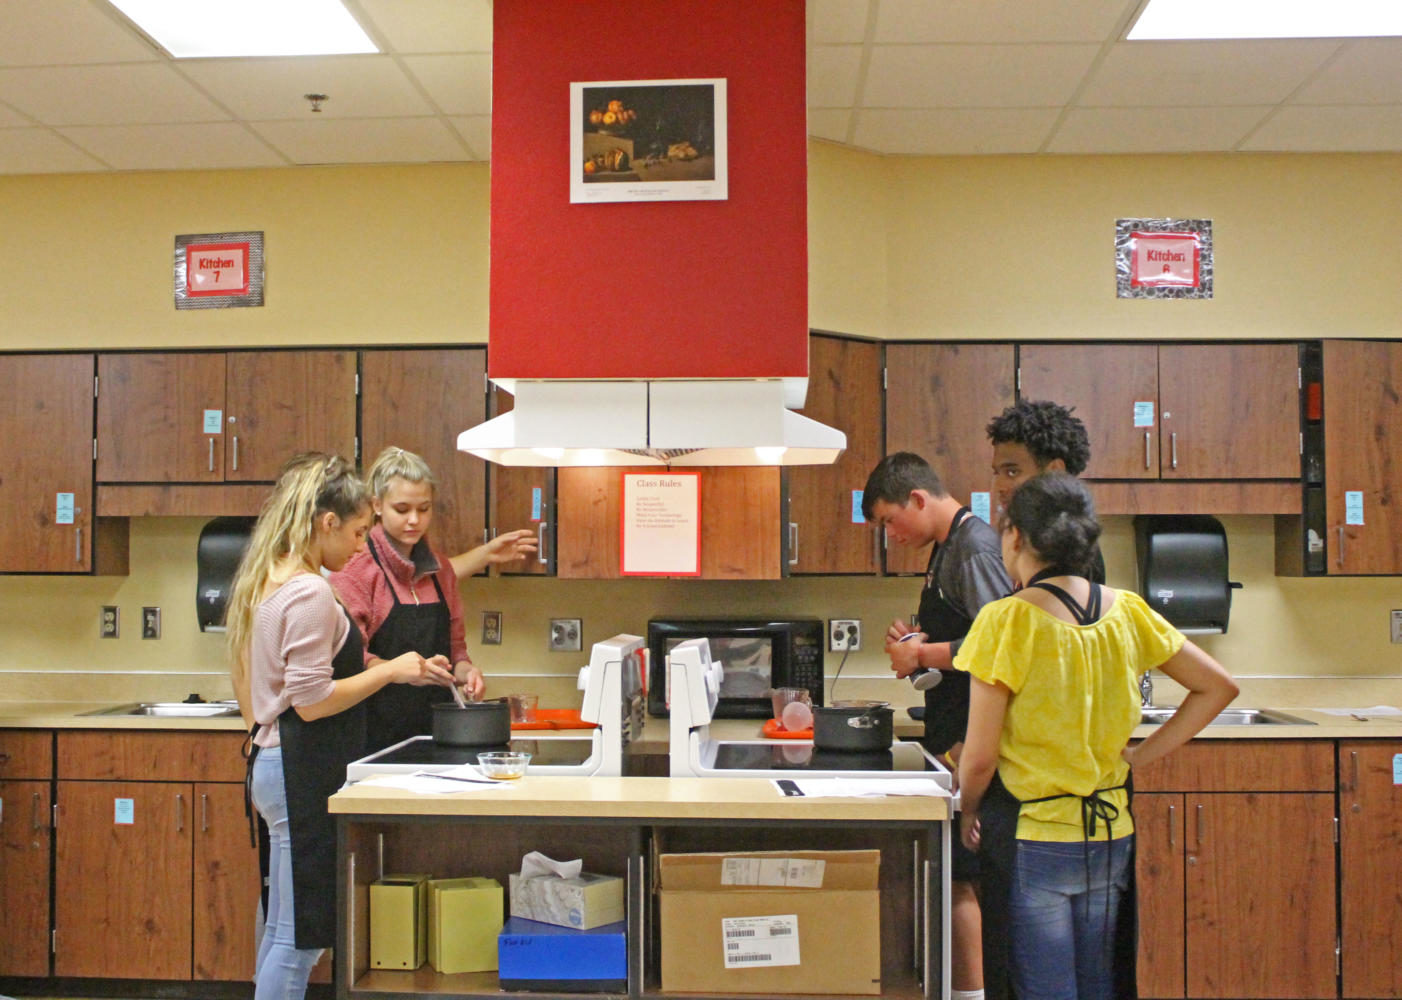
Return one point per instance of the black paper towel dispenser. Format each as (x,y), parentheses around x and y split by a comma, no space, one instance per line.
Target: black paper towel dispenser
(1183,570)
(223,542)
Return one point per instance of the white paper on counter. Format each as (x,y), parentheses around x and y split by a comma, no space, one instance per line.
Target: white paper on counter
(818,788)
(428,783)
(1375,710)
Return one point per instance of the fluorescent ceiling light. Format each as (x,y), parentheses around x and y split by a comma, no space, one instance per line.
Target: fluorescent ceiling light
(1178,19)
(193,29)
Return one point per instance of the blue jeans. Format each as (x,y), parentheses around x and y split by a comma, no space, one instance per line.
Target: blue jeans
(1063,912)
(281,971)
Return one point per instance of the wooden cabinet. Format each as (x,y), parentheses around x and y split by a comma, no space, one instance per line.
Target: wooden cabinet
(1362,471)
(26,765)
(46,442)
(217,418)
(939,400)
(523,497)
(155,876)
(1370,890)
(421,400)
(739,523)
(827,533)
(1176,411)
(1236,871)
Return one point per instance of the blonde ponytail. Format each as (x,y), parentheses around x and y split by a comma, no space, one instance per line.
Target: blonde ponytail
(309,485)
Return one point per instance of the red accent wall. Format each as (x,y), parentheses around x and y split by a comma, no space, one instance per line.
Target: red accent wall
(701,289)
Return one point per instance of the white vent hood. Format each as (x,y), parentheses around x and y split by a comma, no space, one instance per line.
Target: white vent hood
(560,422)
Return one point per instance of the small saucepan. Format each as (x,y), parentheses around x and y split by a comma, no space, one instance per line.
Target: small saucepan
(854,725)
(480,723)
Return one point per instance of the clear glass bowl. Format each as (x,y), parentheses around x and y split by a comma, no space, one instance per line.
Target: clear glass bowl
(503,765)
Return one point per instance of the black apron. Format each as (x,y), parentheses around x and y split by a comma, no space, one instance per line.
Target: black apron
(998,814)
(399,711)
(314,759)
(946,704)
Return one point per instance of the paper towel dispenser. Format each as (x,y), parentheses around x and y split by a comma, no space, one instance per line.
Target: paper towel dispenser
(1183,570)
(223,542)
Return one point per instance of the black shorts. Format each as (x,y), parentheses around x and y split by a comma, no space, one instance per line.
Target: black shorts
(964,866)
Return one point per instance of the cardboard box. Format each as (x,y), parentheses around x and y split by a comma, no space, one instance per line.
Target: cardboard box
(581,902)
(771,922)
(537,956)
(398,922)
(465,915)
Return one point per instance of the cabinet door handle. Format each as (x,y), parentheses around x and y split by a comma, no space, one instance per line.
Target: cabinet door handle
(793,543)
(78,546)
(1199,827)
(204,813)
(1353,779)
(540,542)
(349,970)
(35,822)
(1173,450)
(1146,450)
(1340,558)
(179,812)
(236,453)
(211,454)
(1172,836)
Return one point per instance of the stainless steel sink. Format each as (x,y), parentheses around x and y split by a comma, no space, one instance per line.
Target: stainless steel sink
(1232,717)
(174,709)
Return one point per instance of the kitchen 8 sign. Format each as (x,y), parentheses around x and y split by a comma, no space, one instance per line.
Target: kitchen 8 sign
(1163,258)
(218,270)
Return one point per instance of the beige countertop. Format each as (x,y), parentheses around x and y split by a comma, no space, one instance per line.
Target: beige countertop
(69,715)
(638,798)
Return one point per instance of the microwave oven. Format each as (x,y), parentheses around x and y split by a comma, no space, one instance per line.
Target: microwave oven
(757,654)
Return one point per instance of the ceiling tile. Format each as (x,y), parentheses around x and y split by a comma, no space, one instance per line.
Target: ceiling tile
(432,25)
(975,76)
(199,146)
(1330,129)
(476,131)
(67,31)
(1154,130)
(829,123)
(954,133)
(106,95)
(267,89)
(458,84)
(40,151)
(926,21)
(1139,74)
(1366,72)
(832,75)
(836,21)
(368,140)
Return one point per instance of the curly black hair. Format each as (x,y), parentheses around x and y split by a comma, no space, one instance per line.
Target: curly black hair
(1045,429)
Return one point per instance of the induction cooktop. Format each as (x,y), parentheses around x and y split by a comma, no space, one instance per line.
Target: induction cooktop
(791,756)
(423,751)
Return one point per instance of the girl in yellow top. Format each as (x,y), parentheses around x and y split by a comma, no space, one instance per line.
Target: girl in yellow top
(1044,774)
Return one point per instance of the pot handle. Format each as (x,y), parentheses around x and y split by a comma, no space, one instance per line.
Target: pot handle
(863,721)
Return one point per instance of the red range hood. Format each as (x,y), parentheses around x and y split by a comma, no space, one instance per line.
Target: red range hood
(650,332)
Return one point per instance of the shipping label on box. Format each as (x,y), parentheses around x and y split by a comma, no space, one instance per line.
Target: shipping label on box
(755,941)
(581,902)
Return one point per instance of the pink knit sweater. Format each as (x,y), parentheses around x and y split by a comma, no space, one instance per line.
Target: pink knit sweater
(296,633)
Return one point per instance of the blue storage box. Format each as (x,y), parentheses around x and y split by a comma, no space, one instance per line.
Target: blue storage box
(536,956)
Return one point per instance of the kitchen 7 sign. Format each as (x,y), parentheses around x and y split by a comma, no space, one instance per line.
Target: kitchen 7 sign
(218,270)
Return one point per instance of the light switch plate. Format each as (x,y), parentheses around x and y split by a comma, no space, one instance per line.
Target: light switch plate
(565,635)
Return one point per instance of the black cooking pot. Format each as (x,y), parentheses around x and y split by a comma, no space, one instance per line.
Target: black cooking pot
(483,723)
(854,725)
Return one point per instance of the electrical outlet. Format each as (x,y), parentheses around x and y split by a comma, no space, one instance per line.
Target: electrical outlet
(844,635)
(1397,626)
(491,628)
(150,623)
(110,622)
(565,635)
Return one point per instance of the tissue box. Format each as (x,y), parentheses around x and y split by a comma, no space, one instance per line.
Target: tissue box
(581,902)
(771,922)
(464,918)
(398,921)
(537,956)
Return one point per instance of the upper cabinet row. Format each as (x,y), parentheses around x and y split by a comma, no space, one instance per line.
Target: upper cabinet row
(1174,428)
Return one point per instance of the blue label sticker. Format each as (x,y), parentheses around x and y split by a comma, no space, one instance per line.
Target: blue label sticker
(982,505)
(124,811)
(63,508)
(1144,413)
(535,503)
(857,517)
(1353,506)
(213,421)
(1397,769)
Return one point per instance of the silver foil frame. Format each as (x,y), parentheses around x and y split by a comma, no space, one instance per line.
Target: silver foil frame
(1128,234)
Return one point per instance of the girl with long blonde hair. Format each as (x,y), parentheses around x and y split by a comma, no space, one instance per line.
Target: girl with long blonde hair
(300,678)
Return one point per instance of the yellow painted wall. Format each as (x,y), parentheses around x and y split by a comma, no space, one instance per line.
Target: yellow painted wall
(1017,247)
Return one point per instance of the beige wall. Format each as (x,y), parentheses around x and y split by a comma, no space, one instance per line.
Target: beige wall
(926,248)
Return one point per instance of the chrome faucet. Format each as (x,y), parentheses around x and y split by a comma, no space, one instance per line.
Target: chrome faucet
(1146,690)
